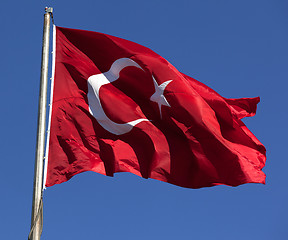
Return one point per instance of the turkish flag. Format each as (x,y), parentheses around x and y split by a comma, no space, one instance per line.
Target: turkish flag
(120,107)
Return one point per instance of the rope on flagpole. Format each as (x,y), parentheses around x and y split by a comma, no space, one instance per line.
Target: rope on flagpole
(39,213)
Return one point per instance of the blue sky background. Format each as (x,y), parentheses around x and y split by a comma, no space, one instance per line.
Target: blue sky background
(239,48)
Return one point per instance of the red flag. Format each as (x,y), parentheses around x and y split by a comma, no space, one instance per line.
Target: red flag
(120,107)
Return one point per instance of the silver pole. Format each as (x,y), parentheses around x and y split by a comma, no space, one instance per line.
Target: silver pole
(37,205)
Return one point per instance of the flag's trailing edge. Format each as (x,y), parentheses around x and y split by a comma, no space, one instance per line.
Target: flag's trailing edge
(50,108)
(118,106)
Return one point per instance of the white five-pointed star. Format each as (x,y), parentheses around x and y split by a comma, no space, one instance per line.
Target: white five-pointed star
(158,96)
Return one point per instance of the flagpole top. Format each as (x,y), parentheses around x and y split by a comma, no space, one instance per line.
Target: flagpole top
(48,9)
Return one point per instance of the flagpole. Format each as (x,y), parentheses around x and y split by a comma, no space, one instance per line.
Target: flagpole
(37,204)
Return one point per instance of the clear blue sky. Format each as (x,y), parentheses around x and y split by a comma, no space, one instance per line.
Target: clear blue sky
(239,48)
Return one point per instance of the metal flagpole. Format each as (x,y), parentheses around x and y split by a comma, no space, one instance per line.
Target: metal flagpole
(37,204)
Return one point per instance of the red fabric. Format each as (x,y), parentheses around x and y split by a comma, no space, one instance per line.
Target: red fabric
(197,141)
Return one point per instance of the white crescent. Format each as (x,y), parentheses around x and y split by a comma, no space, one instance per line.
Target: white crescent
(95,82)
